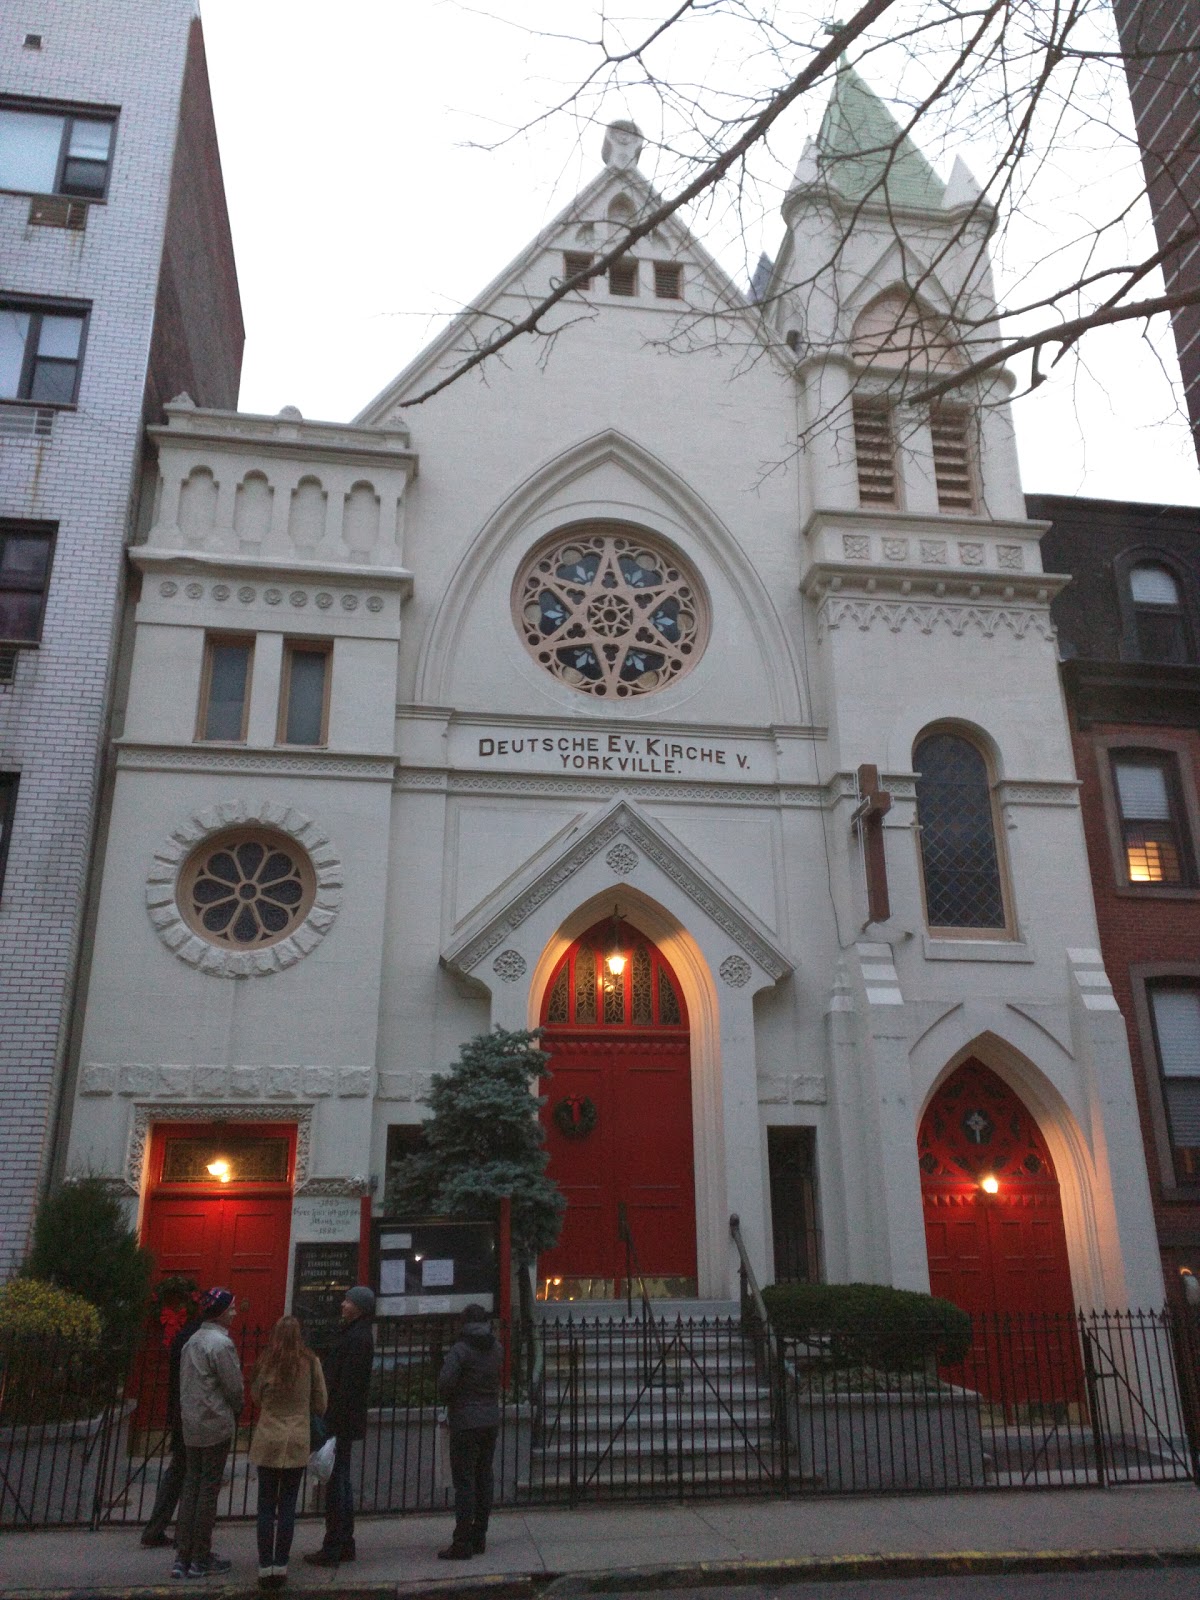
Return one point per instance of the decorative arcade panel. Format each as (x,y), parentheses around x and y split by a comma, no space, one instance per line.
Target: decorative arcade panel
(618,1119)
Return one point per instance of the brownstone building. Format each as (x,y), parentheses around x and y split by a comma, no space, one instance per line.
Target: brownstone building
(1161,41)
(1129,635)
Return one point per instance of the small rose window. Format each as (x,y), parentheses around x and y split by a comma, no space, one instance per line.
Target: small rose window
(610,612)
(246,888)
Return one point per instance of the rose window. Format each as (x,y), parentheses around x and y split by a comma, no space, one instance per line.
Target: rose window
(610,613)
(246,888)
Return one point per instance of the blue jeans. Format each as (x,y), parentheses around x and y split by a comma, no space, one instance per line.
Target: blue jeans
(339,1501)
(278,1488)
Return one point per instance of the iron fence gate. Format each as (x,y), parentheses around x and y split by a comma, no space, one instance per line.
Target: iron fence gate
(646,1408)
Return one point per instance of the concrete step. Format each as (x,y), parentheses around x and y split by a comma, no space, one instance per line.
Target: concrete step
(617,1311)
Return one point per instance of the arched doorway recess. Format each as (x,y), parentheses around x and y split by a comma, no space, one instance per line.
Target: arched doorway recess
(618,1118)
(993,1214)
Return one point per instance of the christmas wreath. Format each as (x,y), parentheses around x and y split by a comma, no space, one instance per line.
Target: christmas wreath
(575,1116)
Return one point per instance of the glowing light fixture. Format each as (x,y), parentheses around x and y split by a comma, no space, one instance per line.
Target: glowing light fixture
(615,959)
(220,1169)
(990,1185)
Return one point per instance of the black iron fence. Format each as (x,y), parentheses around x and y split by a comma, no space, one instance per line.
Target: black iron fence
(649,1408)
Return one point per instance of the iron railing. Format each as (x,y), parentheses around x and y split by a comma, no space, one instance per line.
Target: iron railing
(684,1408)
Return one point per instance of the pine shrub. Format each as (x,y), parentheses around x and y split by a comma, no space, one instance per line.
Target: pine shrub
(483,1141)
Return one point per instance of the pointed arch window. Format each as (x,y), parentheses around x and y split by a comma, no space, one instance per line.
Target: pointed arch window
(960,856)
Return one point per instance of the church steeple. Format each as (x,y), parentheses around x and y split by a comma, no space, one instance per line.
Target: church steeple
(861,152)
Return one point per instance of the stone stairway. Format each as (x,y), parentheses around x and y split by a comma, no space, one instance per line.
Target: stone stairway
(631,1409)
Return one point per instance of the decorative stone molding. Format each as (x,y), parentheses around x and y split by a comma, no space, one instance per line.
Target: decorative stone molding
(1011,557)
(971,553)
(895,549)
(622,858)
(619,821)
(218,961)
(335,1188)
(929,615)
(856,547)
(196,1083)
(395,1086)
(798,1089)
(736,971)
(145,1116)
(253,763)
(1037,792)
(510,965)
(934,550)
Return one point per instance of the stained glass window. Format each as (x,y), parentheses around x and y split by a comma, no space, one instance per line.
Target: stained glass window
(610,613)
(246,888)
(556,1007)
(643,994)
(585,984)
(958,838)
(584,993)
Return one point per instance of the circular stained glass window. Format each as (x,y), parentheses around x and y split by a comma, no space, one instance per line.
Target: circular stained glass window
(610,612)
(246,888)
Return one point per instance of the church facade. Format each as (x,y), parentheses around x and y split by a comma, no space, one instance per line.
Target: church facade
(699,706)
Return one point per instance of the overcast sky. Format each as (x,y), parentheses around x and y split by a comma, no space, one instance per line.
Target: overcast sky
(366,209)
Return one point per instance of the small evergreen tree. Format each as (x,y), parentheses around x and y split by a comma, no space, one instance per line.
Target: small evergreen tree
(483,1142)
(82,1242)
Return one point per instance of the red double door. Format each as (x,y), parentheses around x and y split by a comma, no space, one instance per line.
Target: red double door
(618,1119)
(1000,1255)
(234,1233)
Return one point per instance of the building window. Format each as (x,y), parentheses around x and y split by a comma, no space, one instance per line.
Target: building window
(225,689)
(25,555)
(1153,842)
(576,261)
(792,1168)
(1175,1010)
(875,453)
(959,858)
(623,277)
(8,805)
(55,152)
(668,280)
(246,888)
(1160,627)
(41,348)
(304,695)
(610,612)
(952,465)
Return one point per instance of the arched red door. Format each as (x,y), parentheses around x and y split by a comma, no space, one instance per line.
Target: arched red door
(998,1253)
(619,1118)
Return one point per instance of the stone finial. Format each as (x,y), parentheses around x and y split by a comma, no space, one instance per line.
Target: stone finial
(291,414)
(182,402)
(622,145)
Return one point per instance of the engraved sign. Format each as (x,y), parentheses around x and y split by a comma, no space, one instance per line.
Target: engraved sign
(612,754)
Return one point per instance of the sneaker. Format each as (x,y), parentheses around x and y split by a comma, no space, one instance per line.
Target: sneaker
(179,1570)
(209,1567)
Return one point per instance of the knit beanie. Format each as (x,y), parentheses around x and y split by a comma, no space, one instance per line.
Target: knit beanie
(214,1302)
(363,1298)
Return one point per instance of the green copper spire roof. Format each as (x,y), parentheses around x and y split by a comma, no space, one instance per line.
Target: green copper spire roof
(860,149)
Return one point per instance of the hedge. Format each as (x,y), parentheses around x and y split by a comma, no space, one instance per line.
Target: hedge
(870,1325)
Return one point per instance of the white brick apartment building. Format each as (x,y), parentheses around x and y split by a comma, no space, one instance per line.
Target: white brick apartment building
(117,290)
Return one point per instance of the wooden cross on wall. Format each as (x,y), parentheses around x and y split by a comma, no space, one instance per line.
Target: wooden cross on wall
(873,806)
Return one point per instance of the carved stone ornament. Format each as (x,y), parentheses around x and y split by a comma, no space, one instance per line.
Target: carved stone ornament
(221,959)
(622,858)
(145,1116)
(856,547)
(510,965)
(735,971)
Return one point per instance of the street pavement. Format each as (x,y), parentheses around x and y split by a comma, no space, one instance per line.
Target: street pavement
(1181,1584)
(713,1546)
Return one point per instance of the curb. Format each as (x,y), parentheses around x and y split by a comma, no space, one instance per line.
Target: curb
(700,1575)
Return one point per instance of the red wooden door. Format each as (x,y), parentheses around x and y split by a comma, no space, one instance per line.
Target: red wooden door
(619,1118)
(1001,1256)
(235,1233)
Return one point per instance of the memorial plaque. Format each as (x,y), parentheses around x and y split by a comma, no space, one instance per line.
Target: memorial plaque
(324,1272)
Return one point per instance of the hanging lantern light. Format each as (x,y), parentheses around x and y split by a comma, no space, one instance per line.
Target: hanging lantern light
(615,959)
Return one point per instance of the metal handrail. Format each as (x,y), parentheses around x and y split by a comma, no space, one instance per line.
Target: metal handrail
(625,1234)
(750,1282)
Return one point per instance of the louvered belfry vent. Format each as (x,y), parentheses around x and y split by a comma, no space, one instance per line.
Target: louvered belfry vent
(952,459)
(875,452)
(574,262)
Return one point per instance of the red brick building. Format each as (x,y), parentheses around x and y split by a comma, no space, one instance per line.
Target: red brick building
(1129,635)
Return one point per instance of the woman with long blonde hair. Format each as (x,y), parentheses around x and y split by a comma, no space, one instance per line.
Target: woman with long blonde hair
(289,1386)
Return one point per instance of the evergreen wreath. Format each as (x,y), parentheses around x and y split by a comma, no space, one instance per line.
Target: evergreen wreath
(575,1117)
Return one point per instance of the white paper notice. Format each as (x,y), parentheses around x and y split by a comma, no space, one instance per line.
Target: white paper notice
(391,1276)
(437,1274)
(395,1241)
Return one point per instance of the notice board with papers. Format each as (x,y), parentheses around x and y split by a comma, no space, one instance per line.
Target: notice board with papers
(433,1266)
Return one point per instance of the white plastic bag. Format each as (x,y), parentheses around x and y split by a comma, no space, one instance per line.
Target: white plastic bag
(442,1477)
(320,1463)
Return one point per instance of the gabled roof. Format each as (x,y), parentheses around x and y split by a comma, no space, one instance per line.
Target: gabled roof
(616,174)
(862,153)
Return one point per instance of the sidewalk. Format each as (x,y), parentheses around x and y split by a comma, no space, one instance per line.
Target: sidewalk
(718,1544)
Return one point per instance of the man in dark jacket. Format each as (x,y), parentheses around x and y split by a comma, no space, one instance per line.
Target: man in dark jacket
(469,1384)
(347,1367)
(171,1482)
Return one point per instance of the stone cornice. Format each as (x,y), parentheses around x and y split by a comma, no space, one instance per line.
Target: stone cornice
(189,426)
(141,756)
(924,527)
(151,559)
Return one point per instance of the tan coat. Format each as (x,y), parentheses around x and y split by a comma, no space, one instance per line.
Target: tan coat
(281,1435)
